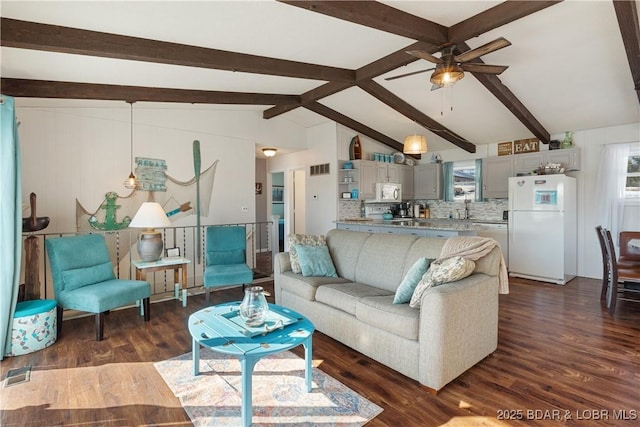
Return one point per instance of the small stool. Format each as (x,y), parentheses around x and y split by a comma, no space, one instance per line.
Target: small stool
(34,326)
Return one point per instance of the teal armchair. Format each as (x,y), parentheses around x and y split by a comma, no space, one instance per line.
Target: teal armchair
(83,279)
(225,258)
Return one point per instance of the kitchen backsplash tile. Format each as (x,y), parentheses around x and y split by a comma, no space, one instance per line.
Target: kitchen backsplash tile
(490,210)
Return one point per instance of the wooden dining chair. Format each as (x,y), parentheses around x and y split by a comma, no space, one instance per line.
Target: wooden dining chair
(622,280)
(629,249)
(606,270)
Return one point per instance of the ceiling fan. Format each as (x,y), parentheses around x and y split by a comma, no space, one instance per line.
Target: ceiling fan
(450,68)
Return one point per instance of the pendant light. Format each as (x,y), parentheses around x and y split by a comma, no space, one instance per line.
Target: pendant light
(131,182)
(415,144)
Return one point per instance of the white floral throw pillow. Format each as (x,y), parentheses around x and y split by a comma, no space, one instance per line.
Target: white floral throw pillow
(440,272)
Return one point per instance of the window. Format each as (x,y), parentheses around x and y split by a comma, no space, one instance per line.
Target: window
(632,190)
(464,180)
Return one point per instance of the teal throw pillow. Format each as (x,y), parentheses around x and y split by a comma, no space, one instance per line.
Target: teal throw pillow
(411,280)
(315,261)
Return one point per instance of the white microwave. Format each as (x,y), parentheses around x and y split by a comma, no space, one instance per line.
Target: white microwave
(388,192)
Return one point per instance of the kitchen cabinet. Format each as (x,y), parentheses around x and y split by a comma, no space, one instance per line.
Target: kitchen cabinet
(496,172)
(568,157)
(427,181)
(350,227)
(405,177)
(372,172)
(367,177)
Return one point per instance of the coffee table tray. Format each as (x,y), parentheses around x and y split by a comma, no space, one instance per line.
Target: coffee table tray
(275,320)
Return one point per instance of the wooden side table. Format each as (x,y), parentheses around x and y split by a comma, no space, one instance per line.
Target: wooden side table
(175,264)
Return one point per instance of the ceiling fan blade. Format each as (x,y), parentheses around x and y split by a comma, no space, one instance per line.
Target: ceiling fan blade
(409,74)
(426,56)
(435,87)
(484,68)
(498,43)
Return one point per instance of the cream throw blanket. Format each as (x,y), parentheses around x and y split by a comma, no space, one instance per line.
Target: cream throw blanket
(474,248)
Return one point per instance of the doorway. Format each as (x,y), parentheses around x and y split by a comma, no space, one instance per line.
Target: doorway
(298,204)
(277,204)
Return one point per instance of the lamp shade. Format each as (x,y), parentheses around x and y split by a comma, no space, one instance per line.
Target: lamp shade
(415,144)
(150,215)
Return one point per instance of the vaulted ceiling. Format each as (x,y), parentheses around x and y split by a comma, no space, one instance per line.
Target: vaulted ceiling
(572,65)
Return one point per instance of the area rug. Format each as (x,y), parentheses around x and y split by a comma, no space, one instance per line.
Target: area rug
(213,398)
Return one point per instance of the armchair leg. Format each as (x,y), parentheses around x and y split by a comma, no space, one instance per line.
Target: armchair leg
(99,326)
(146,305)
(207,293)
(59,312)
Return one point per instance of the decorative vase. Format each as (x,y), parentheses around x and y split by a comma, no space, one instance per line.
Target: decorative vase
(567,142)
(254,307)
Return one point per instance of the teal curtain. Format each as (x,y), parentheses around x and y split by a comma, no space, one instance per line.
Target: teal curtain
(10,219)
(479,195)
(447,168)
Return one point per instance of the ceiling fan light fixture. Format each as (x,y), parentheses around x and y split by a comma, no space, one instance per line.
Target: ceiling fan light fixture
(269,152)
(415,144)
(447,75)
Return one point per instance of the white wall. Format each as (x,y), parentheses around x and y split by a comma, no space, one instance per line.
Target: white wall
(321,191)
(83,152)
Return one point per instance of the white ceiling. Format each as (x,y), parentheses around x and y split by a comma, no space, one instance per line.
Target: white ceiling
(567,63)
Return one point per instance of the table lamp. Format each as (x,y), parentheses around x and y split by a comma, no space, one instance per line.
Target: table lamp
(149,216)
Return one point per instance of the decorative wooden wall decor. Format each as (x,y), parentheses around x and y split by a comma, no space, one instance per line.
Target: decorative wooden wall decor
(505,148)
(530,145)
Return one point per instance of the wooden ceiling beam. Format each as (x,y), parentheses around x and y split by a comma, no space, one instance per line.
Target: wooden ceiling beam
(509,100)
(385,64)
(70,90)
(495,17)
(337,117)
(379,92)
(307,97)
(627,14)
(377,15)
(55,38)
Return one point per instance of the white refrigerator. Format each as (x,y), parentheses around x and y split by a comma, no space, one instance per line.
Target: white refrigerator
(542,228)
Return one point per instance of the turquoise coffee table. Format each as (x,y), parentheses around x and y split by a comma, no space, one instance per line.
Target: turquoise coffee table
(221,329)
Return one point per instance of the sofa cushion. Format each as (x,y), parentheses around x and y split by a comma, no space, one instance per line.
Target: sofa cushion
(382,260)
(315,261)
(440,272)
(398,319)
(410,280)
(305,287)
(345,296)
(345,247)
(302,239)
(80,277)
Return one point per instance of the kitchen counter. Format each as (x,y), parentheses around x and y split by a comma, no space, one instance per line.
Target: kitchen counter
(423,223)
(421,227)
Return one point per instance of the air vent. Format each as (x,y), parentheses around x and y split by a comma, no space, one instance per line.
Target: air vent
(319,169)
(17,376)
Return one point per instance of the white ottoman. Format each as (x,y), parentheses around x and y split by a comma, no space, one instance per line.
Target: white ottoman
(34,326)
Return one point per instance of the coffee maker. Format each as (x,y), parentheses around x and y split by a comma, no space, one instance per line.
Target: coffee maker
(403,210)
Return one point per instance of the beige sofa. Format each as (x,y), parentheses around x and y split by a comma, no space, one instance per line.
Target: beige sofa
(455,328)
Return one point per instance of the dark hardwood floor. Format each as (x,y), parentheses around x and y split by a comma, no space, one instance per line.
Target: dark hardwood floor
(561,360)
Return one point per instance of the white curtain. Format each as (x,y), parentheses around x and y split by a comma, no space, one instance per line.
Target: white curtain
(610,187)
